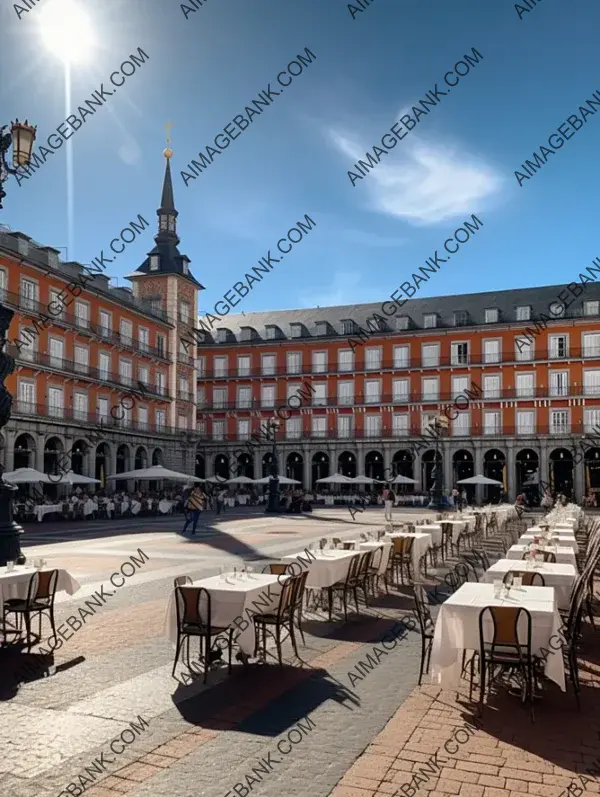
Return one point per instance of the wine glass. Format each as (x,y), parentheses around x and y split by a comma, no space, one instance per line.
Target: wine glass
(249,571)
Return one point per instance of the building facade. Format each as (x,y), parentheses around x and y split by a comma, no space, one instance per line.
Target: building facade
(367,385)
(102,381)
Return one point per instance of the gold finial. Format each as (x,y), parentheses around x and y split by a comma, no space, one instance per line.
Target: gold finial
(168,152)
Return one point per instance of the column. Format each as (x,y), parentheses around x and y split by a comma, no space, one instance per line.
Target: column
(307,469)
(447,456)
(39,454)
(579,480)
(478,471)
(544,466)
(387,462)
(511,472)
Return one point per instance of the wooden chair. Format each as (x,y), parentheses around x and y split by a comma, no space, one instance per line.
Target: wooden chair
(282,618)
(458,576)
(181,581)
(194,619)
(298,601)
(447,545)
(426,627)
(530,578)
(41,592)
(401,558)
(344,588)
(348,546)
(547,556)
(276,568)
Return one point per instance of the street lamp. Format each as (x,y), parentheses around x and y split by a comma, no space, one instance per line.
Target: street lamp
(274,494)
(21,138)
(437,496)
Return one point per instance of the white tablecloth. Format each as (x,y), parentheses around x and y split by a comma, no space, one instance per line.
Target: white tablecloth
(564,554)
(457,629)
(242,500)
(380,560)
(458,526)
(229,599)
(164,506)
(326,569)
(46,509)
(15,583)
(135,507)
(89,507)
(422,543)
(561,577)
(434,530)
(565,539)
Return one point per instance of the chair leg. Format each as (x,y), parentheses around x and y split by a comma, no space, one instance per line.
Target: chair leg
(230,651)
(293,636)
(278,643)
(482,675)
(355,591)
(180,641)
(422,665)
(299,618)
(330,599)
(345,601)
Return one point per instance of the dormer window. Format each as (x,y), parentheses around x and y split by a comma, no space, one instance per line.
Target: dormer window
(348,327)
(524,313)
(491,315)
(322,328)
(401,323)
(185,268)
(296,330)
(430,320)
(221,336)
(461,318)
(154,262)
(271,333)
(591,308)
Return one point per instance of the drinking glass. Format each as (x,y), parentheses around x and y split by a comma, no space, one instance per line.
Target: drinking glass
(249,571)
(497,589)
(10,566)
(518,582)
(235,572)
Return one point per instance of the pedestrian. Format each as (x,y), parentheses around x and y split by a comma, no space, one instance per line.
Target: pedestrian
(388,502)
(195,505)
(221,501)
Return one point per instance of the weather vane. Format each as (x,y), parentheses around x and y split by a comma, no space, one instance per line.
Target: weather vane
(168,151)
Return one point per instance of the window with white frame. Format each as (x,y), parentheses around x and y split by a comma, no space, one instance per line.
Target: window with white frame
(492,422)
(400,391)
(296,330)
(219,398)
(56,402)
(104,365)
(28,347)
(243,429)
(345,426)
(524,313)
(292,389)
(372,425)
(491,315)
(319,362)
(491,386)
(558,346)
(525,422)
(428,420)
(430,320)
(459,354)
(525,385)
(142,418)
(319,396)
(345,360)
(431,388)
(348,327)
(559,383)
(430,354)
(184,386)
(58,308)
(218,430)
(201,428)
(125,372)
(524,349)
(161,345)
(182,422)
(560,422)
(161,383)
(200,366)
(591,307)
(82,314)
(29,294)
(82,359)
(372,391)
(154,262)
(591,344)
(201,396)
(294,362)
(80,406)
(319,425)
(26,396)
(267,395)
(221,336)
(105,323)
(401,323)
(293,428)
(271,333)
(143,374)
(400,424)
(491,351)
(267,364)
(3,283)
(401,357)
(184,312)
(102,409)
(144,340)
(244,397)
(591,419)
(221,365)
(373,358)
(57,352)
(459,385)
(243,365)
(461,425)
(345,393)
(591,383)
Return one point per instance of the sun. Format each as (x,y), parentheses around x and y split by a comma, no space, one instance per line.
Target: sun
(66,30)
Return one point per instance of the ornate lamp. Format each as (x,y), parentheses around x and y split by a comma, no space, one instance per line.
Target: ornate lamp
(440,423)
(21,137)
(274,494)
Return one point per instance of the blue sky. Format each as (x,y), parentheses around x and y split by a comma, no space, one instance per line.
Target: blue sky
(294,159)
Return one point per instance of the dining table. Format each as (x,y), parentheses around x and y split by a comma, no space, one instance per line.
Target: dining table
(422,542)
(325,568)
(564,553)
(15,583)
(563,538)
(382,548)
(560,577)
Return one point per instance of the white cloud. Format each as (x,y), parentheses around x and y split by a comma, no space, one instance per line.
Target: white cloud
(424,182)
(343,289)
(130,152)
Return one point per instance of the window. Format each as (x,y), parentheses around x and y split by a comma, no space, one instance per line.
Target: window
(491,351)
(559,346)
(491,386)
(430,354)
(293,428)
(591,307)
(430,320)
(319,425)
(294,362)
(201,428)
(58,308)
(322,328)
(161,383)
(220,365)
(461,318)
(373,358)
(144,339)
(267,364)
(459,385)
(184,312)
(492,423)
(142,418)
(372,391)
(102,410)
(105,323)
(431,388)
(3,283)
(524,349)
(525,422)
(292,389)
(559,383)
(244,397)
(104,365)
(459,354)
(56,402)
(491,315)
(400,391)
(246,334)
(267,395)
(154,262)
(591,419)
(591,345)
(400,425)
(29,294)
(219,398)
(201,366)
(161,345)
(296,330)
(345,426)
(184,386)
(345,393)
(591,383)
(57,352)
(218,430)
(82,359)
(82,314)
(348,327)
(559,422)
(372,425)
(345,360)
(271,333)
(243,429)
(80,406)
(319,362)
(28,350)
(161,420)
(402,323)
(26,394)
(524,313)
(125,372)
(243,365)
(201,395)
(319,396)
(126,332)
(461,425)
(143,375)
(525,385)
(401,357)
(428,421)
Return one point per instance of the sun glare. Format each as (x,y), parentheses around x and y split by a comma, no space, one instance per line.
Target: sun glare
(66,30)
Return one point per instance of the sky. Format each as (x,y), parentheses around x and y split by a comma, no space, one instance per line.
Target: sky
(537,68)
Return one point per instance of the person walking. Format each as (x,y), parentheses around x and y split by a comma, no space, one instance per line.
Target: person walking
(388,502)
(221,501)
(194,506)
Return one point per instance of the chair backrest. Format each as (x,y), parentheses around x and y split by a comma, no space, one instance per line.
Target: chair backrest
(483,557)
(406,545)
(299,587)
(423,611)
(180,581)
(322,542)
(353,569)
(549,556)
(505,630)
(457,577)
(289,587)
(364,563)
(276,568)
(470,563)
(336,541)
(530,578)
(42,587)
(348,546)
(193,607)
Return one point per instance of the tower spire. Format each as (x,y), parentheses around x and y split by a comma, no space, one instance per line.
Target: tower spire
(167,215)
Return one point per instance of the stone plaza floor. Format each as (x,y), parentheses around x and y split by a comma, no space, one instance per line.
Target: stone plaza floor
(322,725)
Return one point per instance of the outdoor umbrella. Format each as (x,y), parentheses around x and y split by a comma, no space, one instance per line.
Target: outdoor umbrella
(337,478)
(363,480)
(216,480)
(75,478)
(480,480)
(403,480)
(27,476)
(154,473)
(241,480)
(282,480)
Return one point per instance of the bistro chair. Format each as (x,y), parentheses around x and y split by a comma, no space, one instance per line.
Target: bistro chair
(547,556)
(344,588)
(276,568)
(447,545)
(282,618)
(41,592)
(364,577)
(348,546)
(530,579)
(181,581)
(401,558)
(426,627)
(458,576)
(194,619)
(337,542)
(298,601)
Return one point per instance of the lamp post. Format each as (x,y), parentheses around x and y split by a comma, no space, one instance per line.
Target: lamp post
(437,495)
(21,138)
(274,494)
